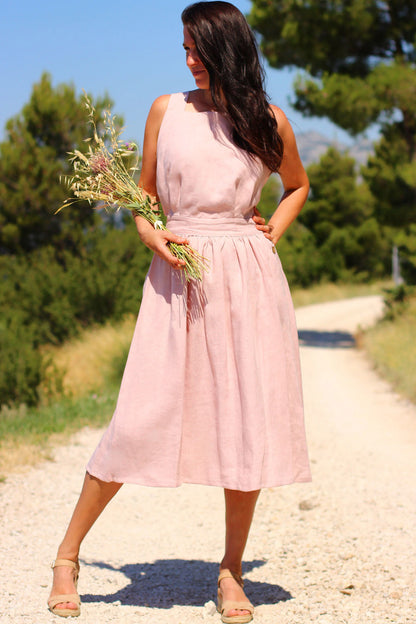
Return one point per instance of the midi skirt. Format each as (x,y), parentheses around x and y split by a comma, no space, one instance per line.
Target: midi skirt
(211,393)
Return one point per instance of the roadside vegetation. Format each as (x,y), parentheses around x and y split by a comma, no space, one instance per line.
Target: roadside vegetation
(89,369)
(332,291)
(391,344)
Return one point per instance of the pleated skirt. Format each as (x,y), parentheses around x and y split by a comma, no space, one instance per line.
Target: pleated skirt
(211,393)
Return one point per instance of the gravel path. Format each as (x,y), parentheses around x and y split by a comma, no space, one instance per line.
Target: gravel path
(339,550)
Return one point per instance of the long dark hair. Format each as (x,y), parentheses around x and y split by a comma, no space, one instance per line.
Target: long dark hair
(228,50)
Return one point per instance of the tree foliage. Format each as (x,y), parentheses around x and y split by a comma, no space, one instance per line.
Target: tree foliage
(392,180)
(32,158)
(335,36)
(336,236)
(358,58)
(340,214)
(43,300)
(406,244)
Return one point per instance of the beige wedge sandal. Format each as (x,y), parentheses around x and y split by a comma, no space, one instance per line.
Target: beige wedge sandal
(225,606)
(62,598)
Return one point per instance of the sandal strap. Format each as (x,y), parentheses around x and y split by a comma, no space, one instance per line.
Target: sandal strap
(64,598)
(225,573)
(65,562)
(230,605)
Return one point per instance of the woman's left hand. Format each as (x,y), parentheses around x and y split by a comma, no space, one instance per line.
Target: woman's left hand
(261,224)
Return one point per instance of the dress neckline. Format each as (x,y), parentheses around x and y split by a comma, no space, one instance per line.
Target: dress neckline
(194,111)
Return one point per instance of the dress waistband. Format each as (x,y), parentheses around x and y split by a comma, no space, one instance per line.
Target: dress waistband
(195,225)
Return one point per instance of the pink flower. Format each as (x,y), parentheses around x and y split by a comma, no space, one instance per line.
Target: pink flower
(99,162)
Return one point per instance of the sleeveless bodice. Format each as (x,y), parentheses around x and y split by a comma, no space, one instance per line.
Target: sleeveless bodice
(199,169)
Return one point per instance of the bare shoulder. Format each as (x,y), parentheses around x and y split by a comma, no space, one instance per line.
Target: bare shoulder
(155,116)
(159,106)
(283,124)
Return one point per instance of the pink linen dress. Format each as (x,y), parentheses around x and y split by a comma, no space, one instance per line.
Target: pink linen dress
(211,393)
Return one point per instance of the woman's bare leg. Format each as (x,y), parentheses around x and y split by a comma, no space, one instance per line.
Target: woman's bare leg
(239,510)
(95,495)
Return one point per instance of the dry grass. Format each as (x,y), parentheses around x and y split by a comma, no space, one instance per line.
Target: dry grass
(335,292)
(391,346)
(79,389)
(27,434)
(86,364)
(22,455)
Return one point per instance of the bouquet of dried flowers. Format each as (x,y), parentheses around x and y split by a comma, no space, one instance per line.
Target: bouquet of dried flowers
(103,175)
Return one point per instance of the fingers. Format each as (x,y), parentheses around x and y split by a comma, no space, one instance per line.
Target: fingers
(162,248)
(264,228)
(173,238)
(257,218)
(174,262)
(260,222)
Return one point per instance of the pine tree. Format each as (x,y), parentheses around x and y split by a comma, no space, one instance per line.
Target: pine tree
(33,157)
(358,58)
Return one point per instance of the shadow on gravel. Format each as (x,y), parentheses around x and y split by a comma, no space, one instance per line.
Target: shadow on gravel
(326,339)
(169,582)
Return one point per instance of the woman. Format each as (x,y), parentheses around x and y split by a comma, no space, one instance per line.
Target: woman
(230,410)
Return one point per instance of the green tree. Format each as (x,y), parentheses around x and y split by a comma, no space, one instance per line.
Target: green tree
(391,176)
(406,244)
(358,58)
(336,236)
(33,157)
(335,36)
(300,256)
(340,216)
(43,300)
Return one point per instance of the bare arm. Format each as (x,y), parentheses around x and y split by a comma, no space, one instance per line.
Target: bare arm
(294,179)
(156,240)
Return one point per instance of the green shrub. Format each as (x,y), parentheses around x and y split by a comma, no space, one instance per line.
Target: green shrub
(21,363)
(396,301)
(300,257)
(48,295)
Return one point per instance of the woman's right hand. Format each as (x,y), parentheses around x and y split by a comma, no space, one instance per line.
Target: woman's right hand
(157,240)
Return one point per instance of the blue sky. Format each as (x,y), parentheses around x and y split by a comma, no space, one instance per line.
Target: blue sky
(130,49)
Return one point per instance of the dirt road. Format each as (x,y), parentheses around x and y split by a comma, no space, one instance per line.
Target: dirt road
(339,550)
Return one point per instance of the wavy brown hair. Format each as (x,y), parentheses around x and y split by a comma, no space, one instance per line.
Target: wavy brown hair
(228,50)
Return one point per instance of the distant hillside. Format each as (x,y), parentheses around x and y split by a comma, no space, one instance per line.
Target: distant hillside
(312,145)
